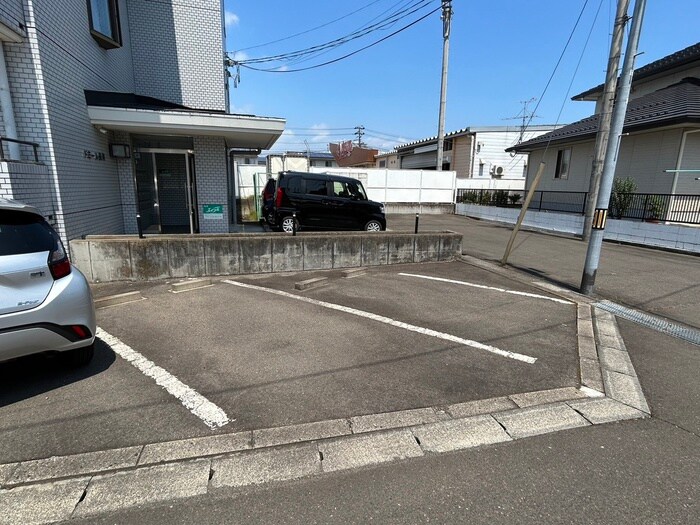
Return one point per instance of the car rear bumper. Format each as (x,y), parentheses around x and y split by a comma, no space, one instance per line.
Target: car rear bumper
(47,327)
(34,339)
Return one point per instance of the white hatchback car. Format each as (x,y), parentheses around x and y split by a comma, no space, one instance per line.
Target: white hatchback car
(45,303)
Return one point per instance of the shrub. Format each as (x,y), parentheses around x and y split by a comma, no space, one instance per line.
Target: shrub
(622,195)
(514,198)
(500,197)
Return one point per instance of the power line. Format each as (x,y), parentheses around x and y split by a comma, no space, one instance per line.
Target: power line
(561,56)
(344,56)
(312,29)
(319,54)
(394,17)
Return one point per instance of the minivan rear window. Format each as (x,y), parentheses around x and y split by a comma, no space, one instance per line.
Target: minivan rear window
(22,232)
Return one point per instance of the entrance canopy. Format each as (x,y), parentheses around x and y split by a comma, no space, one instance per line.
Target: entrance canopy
(149,116)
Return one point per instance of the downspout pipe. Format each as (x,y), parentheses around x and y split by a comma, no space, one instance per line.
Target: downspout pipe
(8,112)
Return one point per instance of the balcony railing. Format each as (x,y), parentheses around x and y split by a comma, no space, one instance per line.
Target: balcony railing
(23,144)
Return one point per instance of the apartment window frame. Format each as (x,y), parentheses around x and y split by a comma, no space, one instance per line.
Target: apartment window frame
(563,166)
(106,41)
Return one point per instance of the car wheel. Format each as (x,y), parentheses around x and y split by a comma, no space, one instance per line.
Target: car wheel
(373,226)
(287,224)
(79,357)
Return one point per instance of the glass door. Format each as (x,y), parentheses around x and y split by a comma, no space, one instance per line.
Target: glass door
(147,193)
(166,191)
(173,192)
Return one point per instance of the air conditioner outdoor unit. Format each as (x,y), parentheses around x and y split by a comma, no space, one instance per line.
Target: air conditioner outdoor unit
(497,171)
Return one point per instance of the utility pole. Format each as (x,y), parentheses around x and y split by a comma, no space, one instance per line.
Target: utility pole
(618,120)
(446,22)
(360,131)
(601,141)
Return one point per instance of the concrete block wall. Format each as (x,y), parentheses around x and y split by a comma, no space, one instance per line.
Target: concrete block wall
(670,236)
(115,258)
(29,183)
(212,180)
(181,58)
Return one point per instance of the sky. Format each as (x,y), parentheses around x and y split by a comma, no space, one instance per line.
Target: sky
(501,53)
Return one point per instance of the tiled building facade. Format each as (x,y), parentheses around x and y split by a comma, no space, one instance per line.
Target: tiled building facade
(86,75)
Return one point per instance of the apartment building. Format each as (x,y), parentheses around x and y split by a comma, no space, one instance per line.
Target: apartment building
(122,110)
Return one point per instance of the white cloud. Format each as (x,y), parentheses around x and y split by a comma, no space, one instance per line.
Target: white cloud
(230,19)
(240,55)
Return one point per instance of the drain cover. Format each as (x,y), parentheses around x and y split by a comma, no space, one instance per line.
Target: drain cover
(651,321)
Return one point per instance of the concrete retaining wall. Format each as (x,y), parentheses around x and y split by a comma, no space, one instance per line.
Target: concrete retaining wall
(659,235)
(118,258)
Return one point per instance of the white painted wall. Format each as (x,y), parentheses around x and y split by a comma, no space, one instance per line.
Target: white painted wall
(391,186)
(676,237)
(490,152)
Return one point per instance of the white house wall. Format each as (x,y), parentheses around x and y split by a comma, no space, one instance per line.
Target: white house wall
(490,152)
(688,182)
(643,157)
(579,172)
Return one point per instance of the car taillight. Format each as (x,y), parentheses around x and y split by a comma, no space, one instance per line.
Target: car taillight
(278,198)
(59,265)
(81,331)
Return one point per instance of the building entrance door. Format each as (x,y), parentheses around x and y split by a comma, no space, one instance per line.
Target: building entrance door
(166,191)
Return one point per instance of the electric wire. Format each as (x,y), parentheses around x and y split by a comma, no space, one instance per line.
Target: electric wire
(346,55)
(415,7)
(338,41)
(556,67)
(317,55)
(573,76)
(310,30)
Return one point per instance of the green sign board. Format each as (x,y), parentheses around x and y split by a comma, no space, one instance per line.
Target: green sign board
(213,211)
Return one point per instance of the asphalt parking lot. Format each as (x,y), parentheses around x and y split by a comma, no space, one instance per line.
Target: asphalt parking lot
(395,338)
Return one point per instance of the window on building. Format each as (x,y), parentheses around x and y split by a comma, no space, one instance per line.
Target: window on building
(382,164)
(104,22)
(329,164)
(563,163)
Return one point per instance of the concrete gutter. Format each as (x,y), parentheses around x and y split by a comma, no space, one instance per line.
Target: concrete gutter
(124,257)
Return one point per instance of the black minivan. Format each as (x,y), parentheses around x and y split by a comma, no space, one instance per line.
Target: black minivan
(324,202)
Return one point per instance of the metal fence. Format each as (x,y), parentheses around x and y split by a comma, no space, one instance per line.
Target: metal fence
(640,206)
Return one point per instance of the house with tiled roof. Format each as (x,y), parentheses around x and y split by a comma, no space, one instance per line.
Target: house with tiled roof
(660,145)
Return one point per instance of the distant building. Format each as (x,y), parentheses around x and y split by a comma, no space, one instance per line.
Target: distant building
(348,155)
(388,160)
(124,108)
(322,160)
(474,152)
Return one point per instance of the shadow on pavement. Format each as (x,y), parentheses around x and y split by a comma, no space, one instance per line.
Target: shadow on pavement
(37,374)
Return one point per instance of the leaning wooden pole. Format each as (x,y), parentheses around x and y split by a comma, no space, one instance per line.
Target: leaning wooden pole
(523,211)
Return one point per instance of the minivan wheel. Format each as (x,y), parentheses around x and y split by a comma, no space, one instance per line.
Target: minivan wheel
(79,357)
(287,224)
(373,226)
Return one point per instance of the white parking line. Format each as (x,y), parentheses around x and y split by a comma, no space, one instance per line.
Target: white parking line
(392,322)
(484,287)
(193,401)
